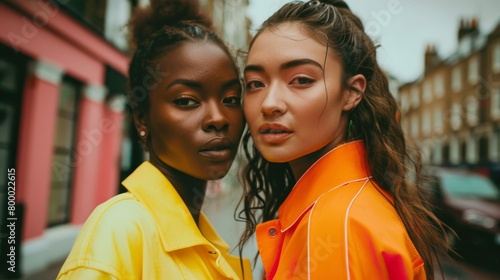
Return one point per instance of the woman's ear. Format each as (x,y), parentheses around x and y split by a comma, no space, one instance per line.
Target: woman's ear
(353,97)
(140,123)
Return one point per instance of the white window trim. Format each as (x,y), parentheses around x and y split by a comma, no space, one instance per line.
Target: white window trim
(495,103)
(494,148)
(456,79)
(473,70)
(426,122)
(496,58)
(437,155)
(439,86)
(438,120)
(472,151)
(472,110)
(427,92)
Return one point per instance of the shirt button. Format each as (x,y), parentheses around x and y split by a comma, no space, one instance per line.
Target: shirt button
(212,252)
(272,232)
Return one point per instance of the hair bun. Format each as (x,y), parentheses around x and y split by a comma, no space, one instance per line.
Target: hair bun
(168,12)
(336,3)
(147,20)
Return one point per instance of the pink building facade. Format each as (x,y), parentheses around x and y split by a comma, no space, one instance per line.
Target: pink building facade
(62,125)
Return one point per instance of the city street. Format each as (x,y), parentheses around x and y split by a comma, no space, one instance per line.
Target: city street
(470,270)
(453,271)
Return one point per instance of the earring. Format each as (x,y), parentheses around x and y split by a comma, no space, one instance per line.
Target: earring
(142,133)
(349,131)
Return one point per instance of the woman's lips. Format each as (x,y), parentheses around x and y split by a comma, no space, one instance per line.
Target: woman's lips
(274,133)
(219,148)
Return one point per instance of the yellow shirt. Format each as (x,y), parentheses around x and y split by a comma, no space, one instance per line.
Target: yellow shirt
(148,233)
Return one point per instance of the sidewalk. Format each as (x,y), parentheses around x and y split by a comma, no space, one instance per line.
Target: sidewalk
(49,273)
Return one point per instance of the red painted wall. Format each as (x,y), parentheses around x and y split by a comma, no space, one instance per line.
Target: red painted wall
(35,152)
(60,40)
(88,146)
(48,46)
(46,33)
(110,156)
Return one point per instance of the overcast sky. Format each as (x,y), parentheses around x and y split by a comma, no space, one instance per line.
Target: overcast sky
(411,26)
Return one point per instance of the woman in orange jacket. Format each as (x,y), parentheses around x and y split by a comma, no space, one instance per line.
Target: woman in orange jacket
(328,163)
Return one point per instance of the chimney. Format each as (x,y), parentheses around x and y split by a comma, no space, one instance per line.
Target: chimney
(431,57)
(468,27)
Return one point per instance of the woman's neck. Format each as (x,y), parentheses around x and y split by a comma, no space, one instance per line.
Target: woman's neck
(301,165)
(190,189)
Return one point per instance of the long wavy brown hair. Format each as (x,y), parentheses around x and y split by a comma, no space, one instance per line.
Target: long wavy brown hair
(395,167)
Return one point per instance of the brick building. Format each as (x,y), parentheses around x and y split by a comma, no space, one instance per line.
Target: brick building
(453,110)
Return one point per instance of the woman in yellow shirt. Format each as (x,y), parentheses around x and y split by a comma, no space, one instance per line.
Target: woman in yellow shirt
(185,96)
(328,163)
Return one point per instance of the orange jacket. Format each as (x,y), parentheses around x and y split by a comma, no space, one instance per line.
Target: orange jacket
(338,224)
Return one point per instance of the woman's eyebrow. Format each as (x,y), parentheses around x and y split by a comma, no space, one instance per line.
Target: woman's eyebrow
(185,82)
(299,62)
(253,68)
(286,65)
(231,84)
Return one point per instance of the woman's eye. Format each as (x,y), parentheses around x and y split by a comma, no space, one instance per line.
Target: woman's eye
(254,85)
(232,100)
(185,102)
(302,81)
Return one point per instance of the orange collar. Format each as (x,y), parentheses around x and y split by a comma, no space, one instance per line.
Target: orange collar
(343,164)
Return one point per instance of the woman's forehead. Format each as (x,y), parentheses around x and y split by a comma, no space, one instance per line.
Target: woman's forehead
(288,40)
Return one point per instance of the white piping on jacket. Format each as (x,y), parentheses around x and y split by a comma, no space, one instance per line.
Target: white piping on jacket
(366,179)
(345,231)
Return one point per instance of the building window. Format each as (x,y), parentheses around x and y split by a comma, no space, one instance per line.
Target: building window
(116,18)
(439,86)
(426,153)
(495,103)
(415,98)
(471,149)
(12,76)
(456,116)
(473,70)
(496,58)
(437,155)
(472,108)
(463,151)
(414,125)
(495,146)
(63,165)
(438,120)
(427,92)
(405,105)
(404,125)
(456,79)
(455,151)
(92,12)
(446,154)
(426,122)
(483,149)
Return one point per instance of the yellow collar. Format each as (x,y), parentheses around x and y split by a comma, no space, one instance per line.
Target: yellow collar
(177,227)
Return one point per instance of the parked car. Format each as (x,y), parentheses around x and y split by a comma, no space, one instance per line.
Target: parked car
(468,203)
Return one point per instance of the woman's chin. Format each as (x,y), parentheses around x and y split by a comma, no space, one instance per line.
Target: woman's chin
(216,174)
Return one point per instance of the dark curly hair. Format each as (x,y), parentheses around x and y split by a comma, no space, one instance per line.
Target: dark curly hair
(267,184)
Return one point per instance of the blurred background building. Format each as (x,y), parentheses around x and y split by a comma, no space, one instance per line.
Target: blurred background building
(453,110)
(64,123)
